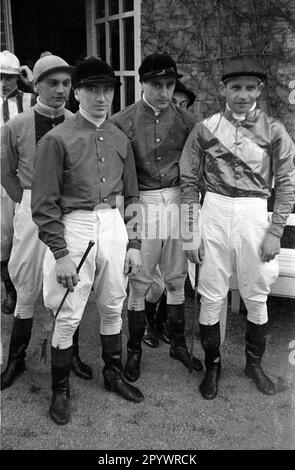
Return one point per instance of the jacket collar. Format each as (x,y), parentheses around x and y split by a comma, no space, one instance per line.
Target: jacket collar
(250,116)
(155,110)
(88,117)
(83,123)
(48,111)
(13,93)
(148,108)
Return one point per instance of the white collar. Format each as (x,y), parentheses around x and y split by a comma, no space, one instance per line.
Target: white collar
(48,111)
(156,111)
(96,122)
(240,117)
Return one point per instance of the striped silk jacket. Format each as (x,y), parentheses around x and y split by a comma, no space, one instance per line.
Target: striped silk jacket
(241,159)
(15,103)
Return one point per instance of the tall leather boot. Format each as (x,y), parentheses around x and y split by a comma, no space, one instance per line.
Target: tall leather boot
(9,299)
(150,336)
(112,371)
(178,348)
(136,326)
(255,347)
(210,340)
(162,326)
(81,369)
(60,369)
(20,338)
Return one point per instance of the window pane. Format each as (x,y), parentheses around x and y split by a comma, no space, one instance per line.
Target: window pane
(127,5)
(116,102)
(3,31)
(129,90)
(101,40)
(113,7)
(129,43)
(100,9)
(114,44)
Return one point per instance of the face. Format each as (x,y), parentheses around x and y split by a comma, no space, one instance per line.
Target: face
(180,99)
(159,91)
(241,93)
(54,89)
(8,83)
(97,99)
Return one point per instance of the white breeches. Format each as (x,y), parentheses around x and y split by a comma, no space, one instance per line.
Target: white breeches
(161,246)
(26,259)
(157,287)
(7,214)
(103,269)
(232,230)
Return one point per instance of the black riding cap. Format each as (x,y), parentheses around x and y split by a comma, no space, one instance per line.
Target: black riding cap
(157,65)
(243,66)
(93,70)
(182,88)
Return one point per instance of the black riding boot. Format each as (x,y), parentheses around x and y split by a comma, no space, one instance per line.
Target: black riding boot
(112,371)
(60,368)
(20,338)
(162,326)
(81,369)
(136,325)
(178,348)
(255,347)
(210,340)
(150,336)
(9,299)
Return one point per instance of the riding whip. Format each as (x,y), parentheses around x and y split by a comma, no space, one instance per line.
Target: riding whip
(50,327)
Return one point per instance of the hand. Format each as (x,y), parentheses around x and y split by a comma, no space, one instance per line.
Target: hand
(270,247)
(66,273)
(196,256)
(26,74)
(132,264)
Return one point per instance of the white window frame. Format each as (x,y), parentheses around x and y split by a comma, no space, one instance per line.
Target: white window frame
(92,22)
(8,25)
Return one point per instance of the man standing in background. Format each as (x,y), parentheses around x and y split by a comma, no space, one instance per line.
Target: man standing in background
(12,102)
(52,78)
(156,299)
(157,130)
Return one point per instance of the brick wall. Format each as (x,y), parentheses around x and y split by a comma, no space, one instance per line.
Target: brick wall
(201,34)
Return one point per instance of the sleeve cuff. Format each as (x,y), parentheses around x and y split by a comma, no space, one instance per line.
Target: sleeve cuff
(276,230)
(61,253)
(134,244)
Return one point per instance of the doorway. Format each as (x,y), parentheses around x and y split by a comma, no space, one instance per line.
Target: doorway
(58,26)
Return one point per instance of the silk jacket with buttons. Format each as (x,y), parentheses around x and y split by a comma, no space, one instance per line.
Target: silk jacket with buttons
(241,159)
(15,103)
(157,142)
(18,147)
(78,167)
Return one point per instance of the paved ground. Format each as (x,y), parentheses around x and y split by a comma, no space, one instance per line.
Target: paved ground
(173,415)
